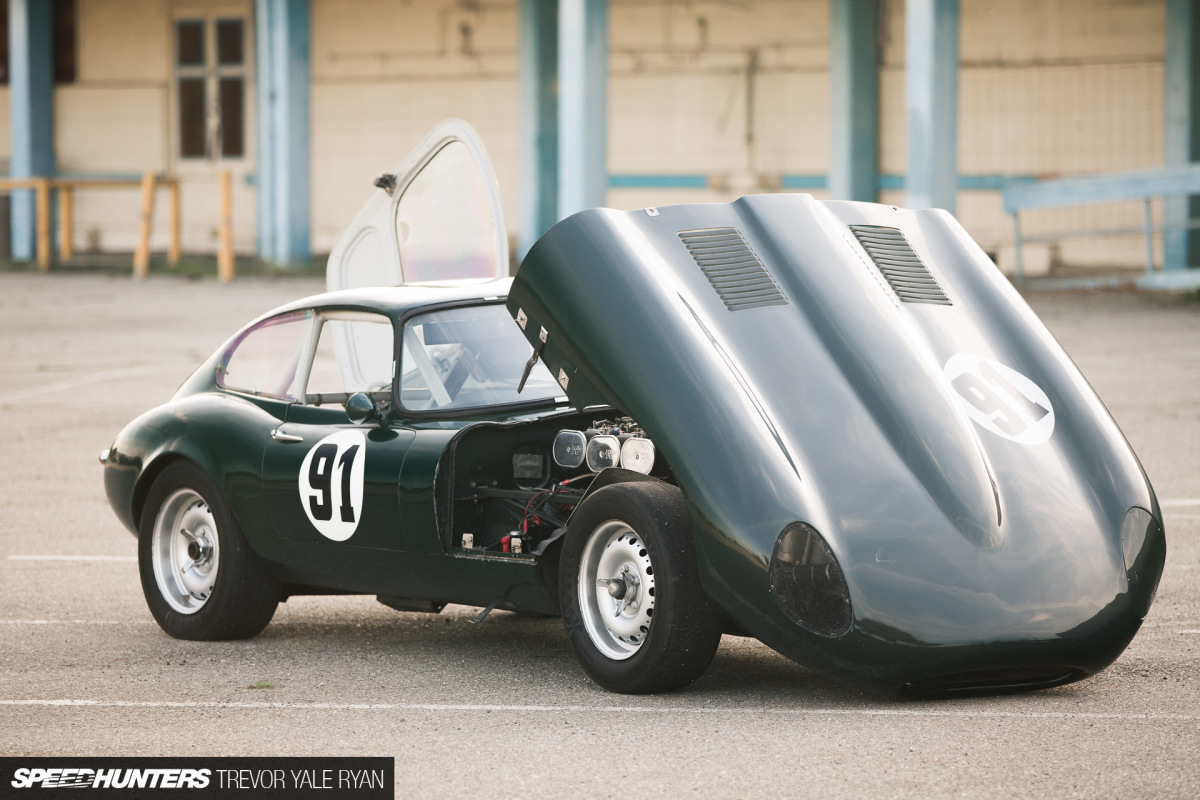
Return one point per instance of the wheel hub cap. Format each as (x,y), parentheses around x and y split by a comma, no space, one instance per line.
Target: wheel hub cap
(616,589)
(185,551)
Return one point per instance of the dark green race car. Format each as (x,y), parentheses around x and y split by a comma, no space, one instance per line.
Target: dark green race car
(831,426)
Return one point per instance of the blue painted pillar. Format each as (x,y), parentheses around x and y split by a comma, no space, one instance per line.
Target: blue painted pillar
(538,53)
(582,104)
(264,183)
(931,102)
(31,92)
(854,99)
(283,58)
(1181,248)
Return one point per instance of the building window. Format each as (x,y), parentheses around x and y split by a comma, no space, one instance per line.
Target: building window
(211,74)
(64,40)
(64,26)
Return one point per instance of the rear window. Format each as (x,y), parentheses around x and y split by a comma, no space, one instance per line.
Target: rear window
(265,359)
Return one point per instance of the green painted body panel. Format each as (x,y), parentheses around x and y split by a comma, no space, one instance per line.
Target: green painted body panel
(963,552)
(397,549)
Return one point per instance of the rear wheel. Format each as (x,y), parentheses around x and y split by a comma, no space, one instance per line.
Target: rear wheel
(200,577)
(630,593)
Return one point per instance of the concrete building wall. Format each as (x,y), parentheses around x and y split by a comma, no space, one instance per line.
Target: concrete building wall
(383,73)
(119,119)
(1056,87)
(112,120)
(735,92)
(1049,87)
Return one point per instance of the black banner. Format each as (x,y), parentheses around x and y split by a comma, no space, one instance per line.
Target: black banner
(229,778)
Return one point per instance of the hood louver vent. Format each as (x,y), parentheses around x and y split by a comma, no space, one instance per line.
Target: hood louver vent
(903,269)
(732,268)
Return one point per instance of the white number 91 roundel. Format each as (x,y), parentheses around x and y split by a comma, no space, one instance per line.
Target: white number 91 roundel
(1000,399)
(331,484)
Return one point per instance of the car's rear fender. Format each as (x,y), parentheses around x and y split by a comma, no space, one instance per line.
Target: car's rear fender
(223,435)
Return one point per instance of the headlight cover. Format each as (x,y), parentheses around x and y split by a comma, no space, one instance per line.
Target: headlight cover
(1135,528)
(808,583)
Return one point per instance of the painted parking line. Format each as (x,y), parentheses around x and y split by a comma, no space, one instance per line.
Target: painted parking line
(605,709)
(1182,502)
(1146,626)
(134,558)
(73,622)
(71,558)
(283,623)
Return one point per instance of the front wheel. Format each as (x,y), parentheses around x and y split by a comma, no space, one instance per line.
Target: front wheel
(629,588)
(200,577)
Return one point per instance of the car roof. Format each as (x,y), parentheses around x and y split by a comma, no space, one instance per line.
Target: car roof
(398,300)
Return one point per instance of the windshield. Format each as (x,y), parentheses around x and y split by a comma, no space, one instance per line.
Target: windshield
(468,358)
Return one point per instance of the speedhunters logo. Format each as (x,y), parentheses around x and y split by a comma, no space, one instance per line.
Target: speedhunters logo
(68,778)
(199,778)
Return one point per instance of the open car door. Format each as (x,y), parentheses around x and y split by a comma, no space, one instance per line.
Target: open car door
(436,217)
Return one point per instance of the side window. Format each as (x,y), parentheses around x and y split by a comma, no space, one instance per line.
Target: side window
(354,354)
(64,17)
(265,360)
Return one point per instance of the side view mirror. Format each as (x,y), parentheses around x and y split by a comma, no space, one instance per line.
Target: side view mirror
(362,409)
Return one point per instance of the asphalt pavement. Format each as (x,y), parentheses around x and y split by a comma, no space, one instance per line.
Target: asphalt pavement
(501,709)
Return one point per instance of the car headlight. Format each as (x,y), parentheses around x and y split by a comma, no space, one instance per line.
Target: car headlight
(808,583)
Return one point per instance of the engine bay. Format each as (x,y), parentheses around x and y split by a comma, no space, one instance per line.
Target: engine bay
(507,490)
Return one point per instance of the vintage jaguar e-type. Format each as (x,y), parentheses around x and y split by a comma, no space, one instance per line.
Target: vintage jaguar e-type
(831,426)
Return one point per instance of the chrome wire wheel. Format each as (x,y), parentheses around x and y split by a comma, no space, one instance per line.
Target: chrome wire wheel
(185,551)
(616,590)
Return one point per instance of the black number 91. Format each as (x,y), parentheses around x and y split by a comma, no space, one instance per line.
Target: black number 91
(320,478)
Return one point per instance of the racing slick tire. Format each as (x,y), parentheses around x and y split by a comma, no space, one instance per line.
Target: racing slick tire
(200,577)
(634,612)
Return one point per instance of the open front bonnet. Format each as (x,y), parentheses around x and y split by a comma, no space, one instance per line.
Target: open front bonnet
(867,371)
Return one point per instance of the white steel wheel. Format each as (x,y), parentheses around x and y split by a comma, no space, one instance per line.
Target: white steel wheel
(632,605)
(616,589)
(201,579)
(185,551)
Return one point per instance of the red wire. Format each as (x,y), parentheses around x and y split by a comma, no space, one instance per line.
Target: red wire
(525,518)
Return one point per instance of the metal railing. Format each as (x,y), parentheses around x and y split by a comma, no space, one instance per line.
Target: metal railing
(66,186)
(1144,185)
(148,183)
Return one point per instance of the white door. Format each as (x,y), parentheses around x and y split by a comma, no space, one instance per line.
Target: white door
(437,217)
